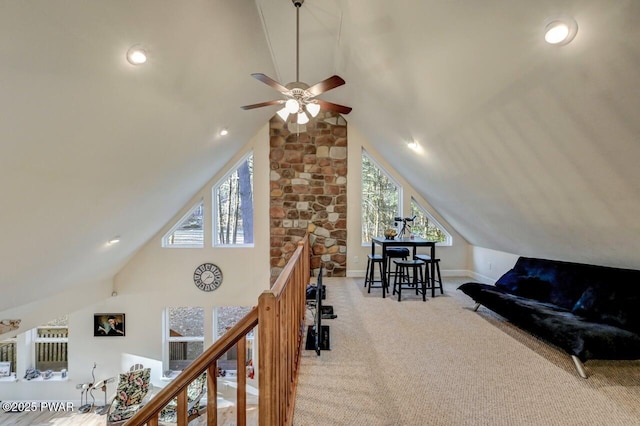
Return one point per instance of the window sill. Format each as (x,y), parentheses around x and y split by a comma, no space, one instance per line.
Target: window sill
(57,377)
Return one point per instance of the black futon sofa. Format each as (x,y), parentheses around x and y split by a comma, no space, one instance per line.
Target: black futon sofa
(591,312)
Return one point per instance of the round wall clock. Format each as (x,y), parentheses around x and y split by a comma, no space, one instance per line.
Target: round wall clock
(207,277)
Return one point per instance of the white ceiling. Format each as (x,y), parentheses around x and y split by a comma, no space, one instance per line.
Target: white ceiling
(524,147)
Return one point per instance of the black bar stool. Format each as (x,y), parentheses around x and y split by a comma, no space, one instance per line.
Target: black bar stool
(409,281)
(431,280)
(395,253)
(369,275)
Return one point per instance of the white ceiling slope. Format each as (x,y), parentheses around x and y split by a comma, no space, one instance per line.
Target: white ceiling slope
(524,147)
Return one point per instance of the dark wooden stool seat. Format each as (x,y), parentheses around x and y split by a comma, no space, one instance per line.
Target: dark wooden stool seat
(395,253)
(405,280)
(369,274)
(431,280)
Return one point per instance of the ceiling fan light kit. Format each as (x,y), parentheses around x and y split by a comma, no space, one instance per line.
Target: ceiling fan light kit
(301,99)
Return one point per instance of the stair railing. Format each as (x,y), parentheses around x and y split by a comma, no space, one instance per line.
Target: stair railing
(280,316)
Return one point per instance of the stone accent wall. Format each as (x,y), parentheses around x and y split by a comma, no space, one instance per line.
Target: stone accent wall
(309,192)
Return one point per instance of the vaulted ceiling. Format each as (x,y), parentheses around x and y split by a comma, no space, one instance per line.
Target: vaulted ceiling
(524,147)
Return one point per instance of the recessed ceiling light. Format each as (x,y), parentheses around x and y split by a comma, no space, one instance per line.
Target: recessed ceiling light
(560,31)
(412,144)
(114,240)
(136,55)
(224,132)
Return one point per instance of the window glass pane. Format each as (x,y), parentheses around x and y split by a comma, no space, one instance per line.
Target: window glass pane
(233,199)
(51,345)
(424,226)
(227,317)
(51,356)
(186,322)
(8,353)
(189,232)
(380,195)
(181,354)
(186,335)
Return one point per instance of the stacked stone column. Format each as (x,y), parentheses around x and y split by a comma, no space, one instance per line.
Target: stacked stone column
(308,181)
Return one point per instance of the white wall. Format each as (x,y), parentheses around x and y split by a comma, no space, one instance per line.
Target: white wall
(454,258)
(488,265)
(155,278)
(152,280)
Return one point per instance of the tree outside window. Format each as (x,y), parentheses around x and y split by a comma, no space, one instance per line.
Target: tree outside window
(425,226)
(380,199)
(189,231)
(233,211)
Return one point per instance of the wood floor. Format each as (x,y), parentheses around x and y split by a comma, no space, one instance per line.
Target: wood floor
(49,418)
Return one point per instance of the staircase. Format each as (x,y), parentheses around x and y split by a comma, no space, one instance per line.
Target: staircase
(280,316)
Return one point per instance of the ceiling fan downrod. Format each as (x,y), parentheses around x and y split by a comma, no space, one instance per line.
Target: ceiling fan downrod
(297,4)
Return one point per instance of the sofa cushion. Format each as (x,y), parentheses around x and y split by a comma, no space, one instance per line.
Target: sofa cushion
(568,280)
(523,285)
(615,304)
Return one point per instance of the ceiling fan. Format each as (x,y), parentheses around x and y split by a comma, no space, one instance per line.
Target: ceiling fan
(300,98)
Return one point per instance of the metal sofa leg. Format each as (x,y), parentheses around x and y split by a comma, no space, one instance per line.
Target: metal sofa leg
(475,307)
(579,366)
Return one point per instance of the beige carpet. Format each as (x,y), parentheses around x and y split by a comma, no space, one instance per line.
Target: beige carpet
(440,363)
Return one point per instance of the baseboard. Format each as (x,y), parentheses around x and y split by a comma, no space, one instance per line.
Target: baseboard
(482,278)
(355,273)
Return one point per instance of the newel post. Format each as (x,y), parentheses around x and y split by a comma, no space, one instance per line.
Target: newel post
(268,361)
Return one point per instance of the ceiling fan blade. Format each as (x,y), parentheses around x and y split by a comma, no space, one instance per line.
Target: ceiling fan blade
(333,107)
(270,82)
(328,84)
(262,104)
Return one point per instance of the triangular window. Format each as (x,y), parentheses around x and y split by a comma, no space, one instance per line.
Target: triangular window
(189,231)
(425,226)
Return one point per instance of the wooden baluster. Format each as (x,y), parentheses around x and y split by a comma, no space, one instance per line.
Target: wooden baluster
(212,394)
(241,378)
(183,403)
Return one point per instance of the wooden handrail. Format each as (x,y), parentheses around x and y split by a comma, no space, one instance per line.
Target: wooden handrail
(280,314)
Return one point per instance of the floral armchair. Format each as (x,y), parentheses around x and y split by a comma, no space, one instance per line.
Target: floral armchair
(195,392)
(132,388)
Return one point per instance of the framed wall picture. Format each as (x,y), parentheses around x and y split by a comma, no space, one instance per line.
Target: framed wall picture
(108,325)
(5,369)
